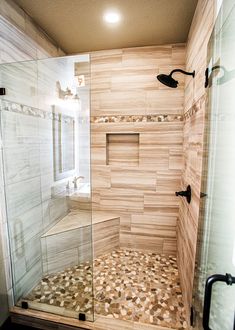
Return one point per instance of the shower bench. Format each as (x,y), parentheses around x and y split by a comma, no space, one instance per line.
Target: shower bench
(78,237)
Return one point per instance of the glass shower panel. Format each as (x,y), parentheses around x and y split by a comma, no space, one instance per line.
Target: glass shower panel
(20,150)
(216,252)
(45,133)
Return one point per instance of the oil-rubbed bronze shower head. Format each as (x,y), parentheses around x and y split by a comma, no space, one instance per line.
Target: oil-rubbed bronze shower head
(171,82)
(167,80)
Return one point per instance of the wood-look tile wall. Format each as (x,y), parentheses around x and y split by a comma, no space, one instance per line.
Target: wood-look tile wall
(194,109)
(20,38)
(137,162)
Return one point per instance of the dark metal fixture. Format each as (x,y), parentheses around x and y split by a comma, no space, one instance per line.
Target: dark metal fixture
(185,193)
(24,305)
(192,316)
(227,75)
(208,76)
(2,91)
(82,317)
(228,279)
(202,195)
(171,82)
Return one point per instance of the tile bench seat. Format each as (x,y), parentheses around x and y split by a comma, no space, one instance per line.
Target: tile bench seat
(75,237)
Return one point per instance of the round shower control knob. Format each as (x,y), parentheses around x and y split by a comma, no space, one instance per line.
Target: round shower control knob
(185,193)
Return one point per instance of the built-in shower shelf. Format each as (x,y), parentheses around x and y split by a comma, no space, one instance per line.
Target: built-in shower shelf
(122,149)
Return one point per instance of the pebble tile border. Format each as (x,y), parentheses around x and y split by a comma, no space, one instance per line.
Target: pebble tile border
(138,119)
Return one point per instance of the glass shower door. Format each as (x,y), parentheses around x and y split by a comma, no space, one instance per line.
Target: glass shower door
(45,132)
(215,268)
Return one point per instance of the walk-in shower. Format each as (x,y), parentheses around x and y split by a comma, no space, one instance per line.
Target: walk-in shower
(67,259)
(138,254)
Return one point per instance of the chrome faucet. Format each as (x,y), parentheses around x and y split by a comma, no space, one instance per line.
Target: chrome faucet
(67,186)
(75,180)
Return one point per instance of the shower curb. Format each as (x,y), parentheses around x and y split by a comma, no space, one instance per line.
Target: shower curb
(48,321)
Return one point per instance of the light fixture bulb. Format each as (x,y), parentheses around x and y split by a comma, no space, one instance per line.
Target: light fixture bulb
(112,17)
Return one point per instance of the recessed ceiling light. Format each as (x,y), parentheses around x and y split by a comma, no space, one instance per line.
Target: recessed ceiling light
(112,17)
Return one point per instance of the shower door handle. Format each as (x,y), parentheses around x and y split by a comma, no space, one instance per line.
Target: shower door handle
(228,279)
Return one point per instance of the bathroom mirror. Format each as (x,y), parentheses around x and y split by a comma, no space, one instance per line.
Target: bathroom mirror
(63,145)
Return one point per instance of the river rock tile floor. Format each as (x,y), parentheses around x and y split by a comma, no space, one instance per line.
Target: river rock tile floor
(128,285)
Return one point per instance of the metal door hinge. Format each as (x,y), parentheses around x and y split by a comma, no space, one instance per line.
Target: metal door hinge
(202,195)
(2,91)
(24,305)
(82,317)
(192,316)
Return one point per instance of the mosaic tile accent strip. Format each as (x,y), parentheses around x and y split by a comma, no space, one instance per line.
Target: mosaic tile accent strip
(195,108)
(138,119)
(35,112)
(128,285)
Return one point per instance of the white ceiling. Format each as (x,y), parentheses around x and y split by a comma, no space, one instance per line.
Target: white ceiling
(77,25)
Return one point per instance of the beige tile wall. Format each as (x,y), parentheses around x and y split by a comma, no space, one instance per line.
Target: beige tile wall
(20,38)
(139,186)
(194,109)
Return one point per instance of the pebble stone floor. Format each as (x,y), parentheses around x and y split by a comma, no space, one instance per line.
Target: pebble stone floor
(128,285)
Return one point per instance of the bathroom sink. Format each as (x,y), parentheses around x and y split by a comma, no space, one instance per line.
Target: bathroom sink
(80,197)
(83,190)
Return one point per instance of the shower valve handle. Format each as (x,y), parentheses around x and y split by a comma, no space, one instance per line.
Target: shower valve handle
(185,193)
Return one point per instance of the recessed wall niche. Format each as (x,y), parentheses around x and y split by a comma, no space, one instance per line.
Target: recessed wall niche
(122,149)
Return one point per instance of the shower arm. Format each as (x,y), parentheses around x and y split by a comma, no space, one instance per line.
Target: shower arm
(182,71)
